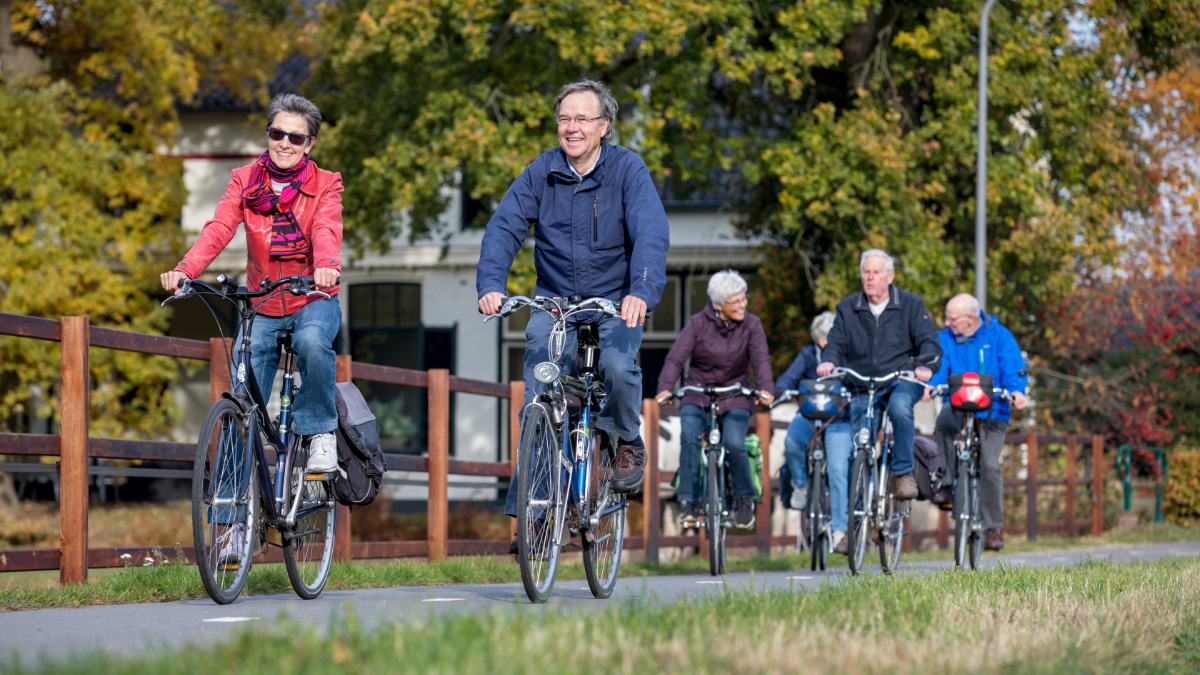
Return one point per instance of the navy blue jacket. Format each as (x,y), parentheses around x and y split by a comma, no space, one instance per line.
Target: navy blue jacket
(803,368)
(992,350)
(605,235)
(875,346)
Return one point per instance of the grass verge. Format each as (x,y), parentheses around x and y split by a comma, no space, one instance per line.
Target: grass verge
(165,583)
(1093,617)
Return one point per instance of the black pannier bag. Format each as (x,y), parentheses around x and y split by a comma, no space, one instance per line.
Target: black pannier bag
(927,467)
(360,458)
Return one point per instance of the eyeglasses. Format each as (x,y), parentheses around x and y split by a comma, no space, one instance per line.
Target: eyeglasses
(295,138)
(738,301)
(955,319)
(581,121)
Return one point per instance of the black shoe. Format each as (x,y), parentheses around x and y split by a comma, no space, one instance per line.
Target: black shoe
(691,514)
(627,473)
(513,549)
(743,512)
(944,499)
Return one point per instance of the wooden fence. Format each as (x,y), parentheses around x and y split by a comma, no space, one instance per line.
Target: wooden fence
(75,448)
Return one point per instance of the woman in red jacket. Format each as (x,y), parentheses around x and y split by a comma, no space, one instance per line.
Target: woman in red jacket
(293,215)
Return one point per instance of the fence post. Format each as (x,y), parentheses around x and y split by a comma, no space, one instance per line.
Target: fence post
(762,529)
(73,466)
(439,462)
(219,349)
(1071,451)
(943,529)
(650,508)
(1031,486)
(1097,485)
(516,401)
(341,533)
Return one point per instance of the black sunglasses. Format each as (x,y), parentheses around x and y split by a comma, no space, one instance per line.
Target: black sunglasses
(293,138)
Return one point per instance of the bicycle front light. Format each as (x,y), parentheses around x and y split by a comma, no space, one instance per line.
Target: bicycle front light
(545,372)
(864,437)
(714,437)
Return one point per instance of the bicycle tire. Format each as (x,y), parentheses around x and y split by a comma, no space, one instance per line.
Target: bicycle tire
(308,549)
(861,482)
(891,535)
(602,550)
(713,521)
(816,520)
(537,538)
(975,545)
(961,512)
(215,470)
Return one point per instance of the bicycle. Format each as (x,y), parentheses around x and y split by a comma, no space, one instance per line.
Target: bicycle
(718,491)
(967,516)
(872,505)
(819,408)
(564,464)
(228,514)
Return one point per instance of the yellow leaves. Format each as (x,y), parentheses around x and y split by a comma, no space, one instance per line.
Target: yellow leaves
(919,41)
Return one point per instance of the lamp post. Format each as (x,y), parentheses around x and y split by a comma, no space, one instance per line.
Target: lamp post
(981,164)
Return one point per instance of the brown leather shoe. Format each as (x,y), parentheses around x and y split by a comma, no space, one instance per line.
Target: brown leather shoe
(993,539)
(906,487)
(944,499)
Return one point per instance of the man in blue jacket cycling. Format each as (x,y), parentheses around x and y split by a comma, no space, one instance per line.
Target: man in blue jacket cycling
(974,342)
(601,231)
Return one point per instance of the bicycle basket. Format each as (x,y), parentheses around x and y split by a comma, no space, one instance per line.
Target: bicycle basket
(970,392)
(819,400)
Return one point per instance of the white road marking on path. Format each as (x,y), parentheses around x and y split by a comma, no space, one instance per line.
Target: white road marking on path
(231,619)
(710,582)
(798,577)
(442,599)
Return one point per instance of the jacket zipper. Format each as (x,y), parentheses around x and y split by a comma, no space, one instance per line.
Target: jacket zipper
(595,219)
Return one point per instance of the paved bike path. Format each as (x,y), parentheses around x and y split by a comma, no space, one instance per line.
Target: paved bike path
(131,629)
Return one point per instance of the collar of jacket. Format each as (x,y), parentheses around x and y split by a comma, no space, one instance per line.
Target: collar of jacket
(723,325)
(862,304)
(309,186)
(561,170)
(985,326)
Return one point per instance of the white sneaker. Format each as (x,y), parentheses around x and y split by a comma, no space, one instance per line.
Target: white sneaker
(233,543)
(836,538)
(322,453)
(799,498)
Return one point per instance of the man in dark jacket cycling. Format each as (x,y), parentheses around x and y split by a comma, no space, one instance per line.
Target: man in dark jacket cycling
(878,331)
(601,231)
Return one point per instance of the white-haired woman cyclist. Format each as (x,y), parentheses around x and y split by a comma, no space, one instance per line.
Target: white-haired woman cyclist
(722,342)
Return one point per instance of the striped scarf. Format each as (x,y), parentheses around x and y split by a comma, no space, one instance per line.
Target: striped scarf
(287,241)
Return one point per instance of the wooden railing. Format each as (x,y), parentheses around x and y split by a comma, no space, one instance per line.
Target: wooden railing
(75,448)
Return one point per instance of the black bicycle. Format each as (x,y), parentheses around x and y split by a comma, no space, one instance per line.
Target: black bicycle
(967,516)
(718,479)
(230,519)
(564,463)
(818,406)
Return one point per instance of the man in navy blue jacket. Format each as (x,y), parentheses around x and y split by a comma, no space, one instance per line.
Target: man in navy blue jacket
(878,331)
(601,231)
(974,342)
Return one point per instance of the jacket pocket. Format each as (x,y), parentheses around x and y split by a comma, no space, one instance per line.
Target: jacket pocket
(608,223)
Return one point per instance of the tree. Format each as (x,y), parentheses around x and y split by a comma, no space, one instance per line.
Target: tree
(89,201)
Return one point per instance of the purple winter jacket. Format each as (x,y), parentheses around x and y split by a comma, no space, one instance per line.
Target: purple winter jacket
(722,351)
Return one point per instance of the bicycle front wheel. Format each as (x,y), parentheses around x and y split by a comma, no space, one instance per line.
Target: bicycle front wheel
(975,543)
(308,549)
(224,502)
(860,496)
(891,535)
(602,545)
(540,503)
(714,520)
(962,514)
(816,519)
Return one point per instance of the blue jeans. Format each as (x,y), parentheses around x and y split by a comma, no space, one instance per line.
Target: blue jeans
(693,424)
(838,459)
(619,344)
(314,329)
(899,398)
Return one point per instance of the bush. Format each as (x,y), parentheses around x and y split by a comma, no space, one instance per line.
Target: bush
(1181,498)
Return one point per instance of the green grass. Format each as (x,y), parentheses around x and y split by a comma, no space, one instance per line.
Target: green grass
(1094,617)
(166,583)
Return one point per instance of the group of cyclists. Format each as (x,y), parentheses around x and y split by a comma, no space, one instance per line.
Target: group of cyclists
(601,232)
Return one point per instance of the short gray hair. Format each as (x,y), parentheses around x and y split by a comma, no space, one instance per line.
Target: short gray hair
(295,105)
(966,303)
(608,103)
(822,325)
(725,284)
(889,264)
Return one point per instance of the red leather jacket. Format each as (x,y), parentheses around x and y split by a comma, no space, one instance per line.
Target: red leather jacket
(318,209)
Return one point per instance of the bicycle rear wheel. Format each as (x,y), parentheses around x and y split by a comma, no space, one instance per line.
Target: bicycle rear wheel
(540,503)
(308,550)
(962,513)
(714,520)
(860,496)
(603,544)
(975,545)
(816,518)
(224,502)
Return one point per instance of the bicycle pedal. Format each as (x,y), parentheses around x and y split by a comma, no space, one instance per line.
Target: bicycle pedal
(317,476)
(229,567)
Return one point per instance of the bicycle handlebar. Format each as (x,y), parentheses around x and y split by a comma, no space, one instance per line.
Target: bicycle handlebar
(944,389)
(298,285)
(789,394)
(710,391)
(902,375)
(561,306)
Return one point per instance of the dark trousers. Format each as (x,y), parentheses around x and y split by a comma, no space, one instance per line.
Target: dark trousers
(991,443)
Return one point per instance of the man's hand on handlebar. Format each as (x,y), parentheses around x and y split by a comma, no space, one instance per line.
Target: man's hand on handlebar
(170,281)
(922,373)
(824,369)
(1019,400)
(633,311)
(491,303)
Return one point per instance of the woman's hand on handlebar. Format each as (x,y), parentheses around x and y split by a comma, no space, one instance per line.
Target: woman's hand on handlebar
(765,397)
(170,281)
(491,303)
(326,277)
(664,397)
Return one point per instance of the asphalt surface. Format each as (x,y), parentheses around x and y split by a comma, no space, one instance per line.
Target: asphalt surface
(35,635)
